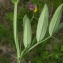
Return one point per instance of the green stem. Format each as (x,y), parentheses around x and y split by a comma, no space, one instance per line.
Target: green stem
(26,51)
(32,18)
(15,31)
(38,43)
(18,61)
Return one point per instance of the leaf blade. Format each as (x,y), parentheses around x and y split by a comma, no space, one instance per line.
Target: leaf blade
(55,20)
(60,26)
(42,24)
(27,34)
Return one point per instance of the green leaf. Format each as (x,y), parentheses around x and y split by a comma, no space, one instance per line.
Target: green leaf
(61,49)
(59,27)
(42,24)
(27,34)
(55,20)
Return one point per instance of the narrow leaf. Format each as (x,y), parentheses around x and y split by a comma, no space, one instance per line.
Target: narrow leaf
(42,24)
(55,20)
(27,35)
(59,27)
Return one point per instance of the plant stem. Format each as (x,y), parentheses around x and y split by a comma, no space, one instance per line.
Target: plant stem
(15,32)
(32,18)
(24,52)
(38,43)
(18,61)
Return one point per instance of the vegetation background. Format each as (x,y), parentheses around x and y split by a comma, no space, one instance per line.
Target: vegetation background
(50,51)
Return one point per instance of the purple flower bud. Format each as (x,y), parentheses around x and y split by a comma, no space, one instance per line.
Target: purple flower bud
(35,6)
(32,6)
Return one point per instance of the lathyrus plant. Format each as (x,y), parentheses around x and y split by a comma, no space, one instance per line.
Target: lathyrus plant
(41,29)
